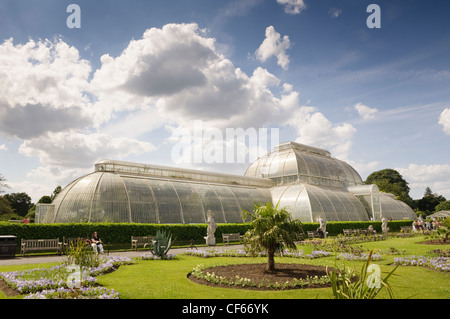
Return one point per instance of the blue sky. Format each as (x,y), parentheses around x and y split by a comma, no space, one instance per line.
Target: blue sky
(137,73)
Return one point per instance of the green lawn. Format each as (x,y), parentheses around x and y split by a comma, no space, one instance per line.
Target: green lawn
(167,279)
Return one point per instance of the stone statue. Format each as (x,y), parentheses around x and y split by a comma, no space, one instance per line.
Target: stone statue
(211,229)
(384,227)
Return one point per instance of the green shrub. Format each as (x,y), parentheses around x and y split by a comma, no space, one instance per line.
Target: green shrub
(120,233)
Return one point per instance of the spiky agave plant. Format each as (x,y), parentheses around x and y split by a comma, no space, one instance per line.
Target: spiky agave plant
(161,244)
(346,284)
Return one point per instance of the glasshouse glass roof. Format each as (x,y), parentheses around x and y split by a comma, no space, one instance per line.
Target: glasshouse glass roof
(304,179)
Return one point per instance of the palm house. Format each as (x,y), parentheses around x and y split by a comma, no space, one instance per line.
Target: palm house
(305,180)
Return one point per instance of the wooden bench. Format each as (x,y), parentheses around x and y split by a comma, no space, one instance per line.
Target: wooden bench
(144,241)
(226,238)
(312,234)
(40,244)
(347,232)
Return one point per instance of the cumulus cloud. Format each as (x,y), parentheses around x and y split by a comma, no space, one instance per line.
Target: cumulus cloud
(42,87)
(313,128)
(178,71)
(80,150)
(420,176)
(293,6)
(33,120)
(165,80)
(365,112)
(46,72)
(444,120)
(274,46)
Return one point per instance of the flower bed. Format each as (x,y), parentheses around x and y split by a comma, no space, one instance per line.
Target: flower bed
(358,257)
(82,293)
(263,280)
(436,263)
(242,253)
(53,282)
(150,256)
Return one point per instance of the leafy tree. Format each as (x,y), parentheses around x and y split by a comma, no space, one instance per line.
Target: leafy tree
(2,183)
(45,200)
(390,181)
(272,230)
(20,202)
(5,206)
(444,205)
(429,201)
(55,192)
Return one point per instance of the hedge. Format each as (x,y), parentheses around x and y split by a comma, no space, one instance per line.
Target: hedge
(119,233)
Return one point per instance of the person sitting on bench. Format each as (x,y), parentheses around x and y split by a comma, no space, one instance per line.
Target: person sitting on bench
(96,243)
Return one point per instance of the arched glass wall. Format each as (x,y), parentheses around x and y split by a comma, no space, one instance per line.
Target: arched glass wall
(309,202)
(111,197)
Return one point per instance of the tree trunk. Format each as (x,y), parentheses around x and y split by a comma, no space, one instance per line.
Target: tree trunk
(270,260)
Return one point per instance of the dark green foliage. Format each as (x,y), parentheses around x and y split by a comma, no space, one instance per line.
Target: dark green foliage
(162,244)
(120,233)
(390,181)
(20,202)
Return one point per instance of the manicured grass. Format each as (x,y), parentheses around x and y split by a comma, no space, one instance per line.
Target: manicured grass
(167,279)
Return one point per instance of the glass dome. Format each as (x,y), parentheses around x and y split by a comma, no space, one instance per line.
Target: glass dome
(294,162)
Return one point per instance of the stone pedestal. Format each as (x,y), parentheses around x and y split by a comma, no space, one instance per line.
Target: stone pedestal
(210,241)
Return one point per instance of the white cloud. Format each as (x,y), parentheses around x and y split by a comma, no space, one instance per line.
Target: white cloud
(334,12)
(313,128)
(165,80)
(3,147)
(75,149)
(293,6)
(435,176)
(273,45)
(42,87)
(365,112)
(444,120)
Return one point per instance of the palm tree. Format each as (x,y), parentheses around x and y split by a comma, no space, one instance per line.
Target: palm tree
(273,230)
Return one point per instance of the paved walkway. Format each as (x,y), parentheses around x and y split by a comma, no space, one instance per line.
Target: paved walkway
(31,259)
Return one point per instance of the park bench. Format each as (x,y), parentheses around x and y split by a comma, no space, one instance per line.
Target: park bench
(347,232)
(312,234)
(144,241)
(40,244)
(226,238)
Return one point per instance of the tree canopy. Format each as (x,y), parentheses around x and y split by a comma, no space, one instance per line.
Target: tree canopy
(431,202)
(391,181)
(20,202)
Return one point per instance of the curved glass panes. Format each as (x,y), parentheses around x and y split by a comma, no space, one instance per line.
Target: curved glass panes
(76,200)
(309,202)
(295,163)
(305,180)
(395,209)
(142,203)
(110,197)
